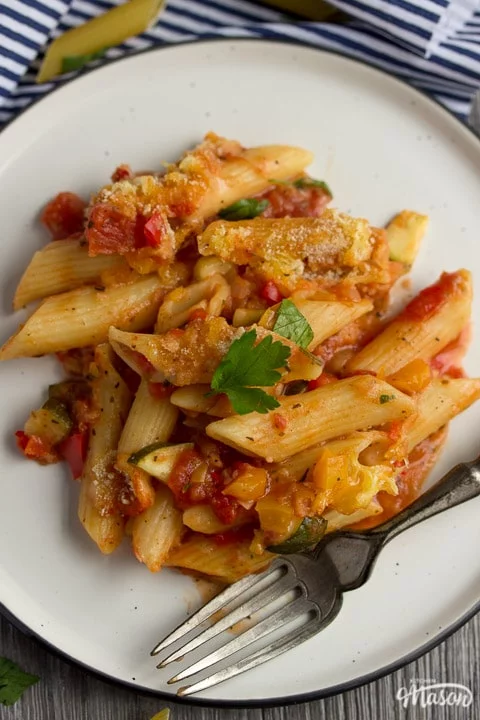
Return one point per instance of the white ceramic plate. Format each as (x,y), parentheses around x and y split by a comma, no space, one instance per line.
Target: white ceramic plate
(382,147)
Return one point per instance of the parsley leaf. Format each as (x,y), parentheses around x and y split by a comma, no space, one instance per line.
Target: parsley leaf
(386,398)
(76,62)
(247,365)
(244,209)
(307,182)
(291,324)
(13,681)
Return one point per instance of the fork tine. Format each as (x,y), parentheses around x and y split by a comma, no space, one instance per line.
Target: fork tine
(268,595)
(217,603)
(287,642)
(264,627)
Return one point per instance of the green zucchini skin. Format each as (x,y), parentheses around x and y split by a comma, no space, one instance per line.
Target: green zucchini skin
(308,534)
(52,422)
(158,459)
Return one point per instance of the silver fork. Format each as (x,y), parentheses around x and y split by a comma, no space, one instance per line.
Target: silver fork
(307,585)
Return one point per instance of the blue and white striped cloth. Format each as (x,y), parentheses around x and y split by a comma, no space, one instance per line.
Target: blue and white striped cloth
(433,44)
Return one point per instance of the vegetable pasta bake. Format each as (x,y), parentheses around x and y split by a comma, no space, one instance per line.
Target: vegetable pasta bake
(235,385)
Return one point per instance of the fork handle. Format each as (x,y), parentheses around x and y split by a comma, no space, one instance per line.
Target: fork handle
(460,484)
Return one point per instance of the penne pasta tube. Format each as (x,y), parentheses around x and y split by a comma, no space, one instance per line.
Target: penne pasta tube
(196,399)
(295,467)
(356,403)
(325,318)
(82,317)
(105,530)
(443,399)
(181,358)
(227,562)
(60,266)
(156,531)
(150,420)
(107,30)
(333,247)
(430,321)
(250,173)
(102,488)
(210,295)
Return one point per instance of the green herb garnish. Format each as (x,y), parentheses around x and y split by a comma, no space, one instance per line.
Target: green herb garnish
(291,324)
(13,681)
(76,62)
(245,209)
(386,398)
(247,365)
(307,182)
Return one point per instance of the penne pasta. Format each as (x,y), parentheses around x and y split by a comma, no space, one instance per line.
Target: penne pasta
(250,173)
(270,406)
(227,562)
(150,420)
(181,359)
(311,418)
(196,399)
(156,531)
(295,466)
(101,487)
(436,317)
(61,266)
(325,318)
(107,30)
(443,399)
(333,247)
(82,317)
(176,309)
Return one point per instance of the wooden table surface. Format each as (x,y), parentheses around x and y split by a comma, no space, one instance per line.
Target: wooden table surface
(67,693)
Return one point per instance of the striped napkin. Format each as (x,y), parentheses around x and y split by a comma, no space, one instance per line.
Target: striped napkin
(433,44)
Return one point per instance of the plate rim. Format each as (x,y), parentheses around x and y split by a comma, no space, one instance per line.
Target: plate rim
(332,690)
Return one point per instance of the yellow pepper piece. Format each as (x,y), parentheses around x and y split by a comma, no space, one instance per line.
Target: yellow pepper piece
(107,30)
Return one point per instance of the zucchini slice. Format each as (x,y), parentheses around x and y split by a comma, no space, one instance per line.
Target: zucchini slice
(159,458)
(52,422)
(404,235)
(308,534)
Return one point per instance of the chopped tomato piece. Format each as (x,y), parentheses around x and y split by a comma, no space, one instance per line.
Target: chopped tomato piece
(74,451)
(289,201)
(122,172)
(271,293)
(155,230)
(323,379)
(35,448)
(428,300)
(21,439)
(64,215)
(109,231)
(160,390)
(279,421)
(198,314)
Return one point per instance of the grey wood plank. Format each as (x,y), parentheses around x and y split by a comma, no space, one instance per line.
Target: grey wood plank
(67,693)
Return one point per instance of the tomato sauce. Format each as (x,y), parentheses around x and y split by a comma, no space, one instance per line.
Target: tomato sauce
(290,201)
(449,360)
(409,481)
(64,215)
(427,302)
(208,490)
